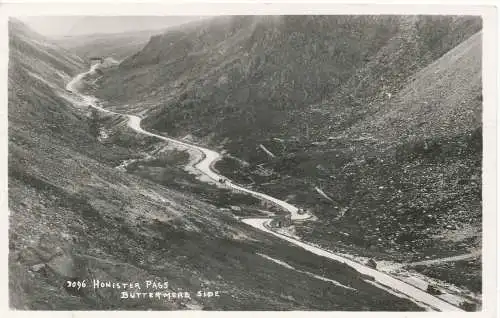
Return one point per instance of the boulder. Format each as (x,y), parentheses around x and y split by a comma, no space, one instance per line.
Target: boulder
(371,263)
(37,267)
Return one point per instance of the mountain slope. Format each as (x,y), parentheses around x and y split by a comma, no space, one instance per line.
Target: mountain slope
(442,99)
(415,164)
(252,78)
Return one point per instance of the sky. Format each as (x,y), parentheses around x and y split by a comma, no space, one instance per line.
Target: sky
(57,26)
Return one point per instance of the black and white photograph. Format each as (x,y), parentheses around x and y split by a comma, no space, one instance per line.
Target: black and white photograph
(248,162)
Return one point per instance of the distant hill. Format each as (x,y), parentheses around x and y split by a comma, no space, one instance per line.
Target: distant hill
(80,25)
(118,46)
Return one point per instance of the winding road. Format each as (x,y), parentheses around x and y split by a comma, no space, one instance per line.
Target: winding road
(204,166)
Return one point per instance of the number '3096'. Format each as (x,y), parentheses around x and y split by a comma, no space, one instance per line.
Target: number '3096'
(76,284)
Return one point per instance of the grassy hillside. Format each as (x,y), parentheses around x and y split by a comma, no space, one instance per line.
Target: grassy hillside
(72,215)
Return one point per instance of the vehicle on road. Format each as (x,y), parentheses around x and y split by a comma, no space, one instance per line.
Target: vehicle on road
(433,290)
